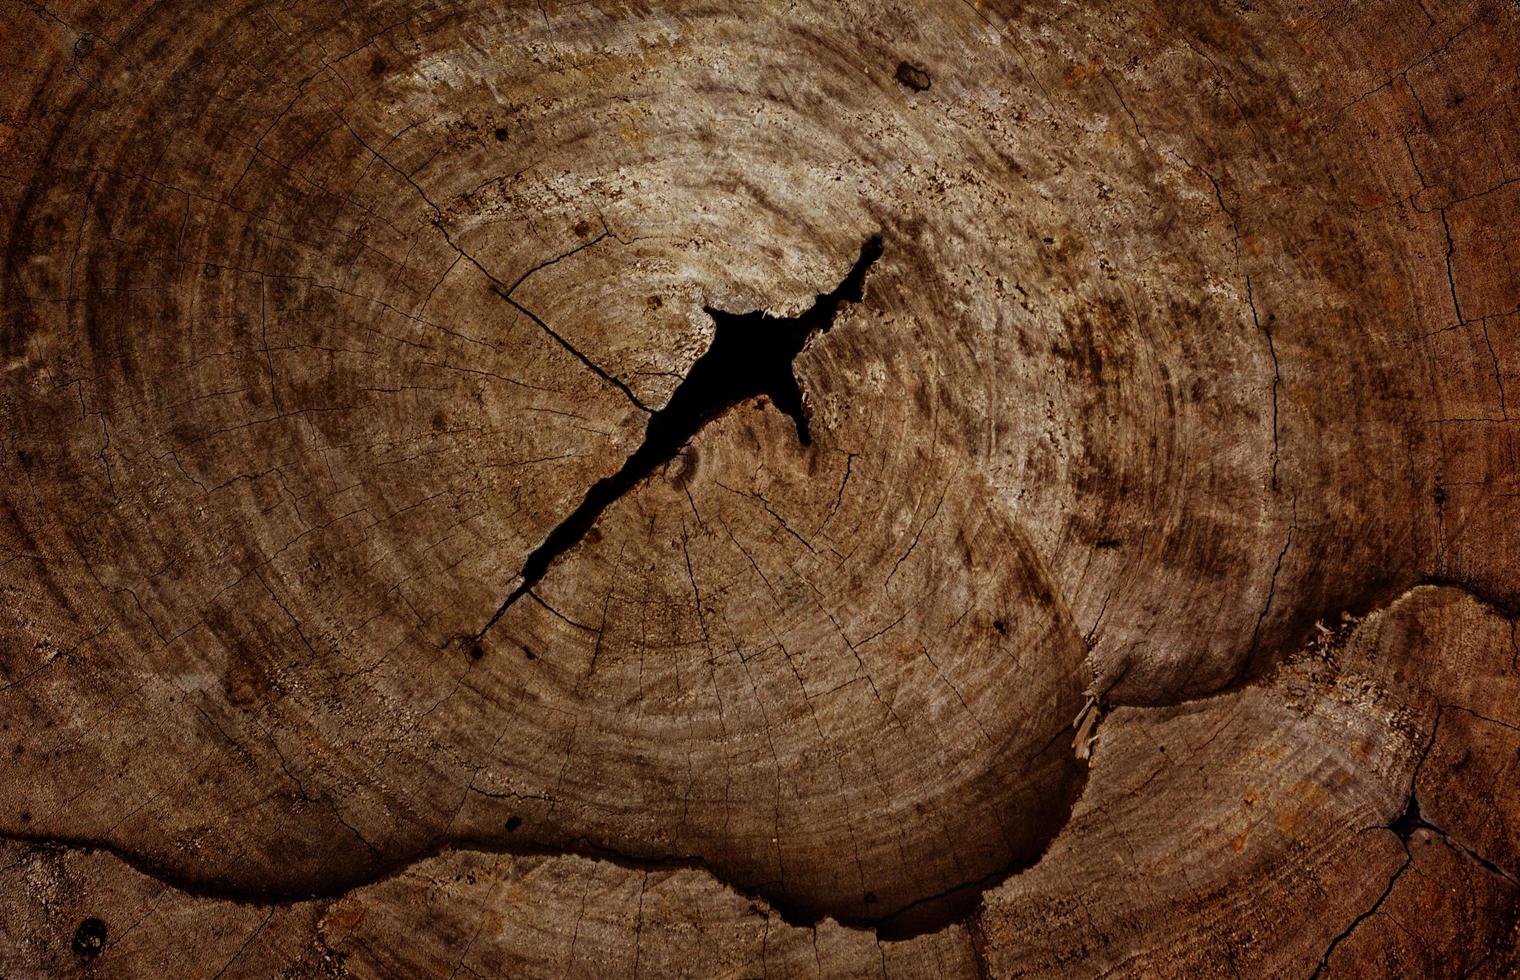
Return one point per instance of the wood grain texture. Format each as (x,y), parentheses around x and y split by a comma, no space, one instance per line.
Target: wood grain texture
(1132,589)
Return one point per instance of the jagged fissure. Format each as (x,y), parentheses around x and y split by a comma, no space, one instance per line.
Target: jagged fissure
(924,915)
(751,354)
(893,926)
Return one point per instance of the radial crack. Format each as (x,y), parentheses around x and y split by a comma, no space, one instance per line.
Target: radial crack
(497,286)
(751,354)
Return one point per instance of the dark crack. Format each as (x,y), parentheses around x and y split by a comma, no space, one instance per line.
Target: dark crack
(502,289)
(1409,821)
(1413,820)
(930,913)
(1405,826)
(1393,879)
(957,903)
(1243,671)
(751,355)
(221,888)
(894,926)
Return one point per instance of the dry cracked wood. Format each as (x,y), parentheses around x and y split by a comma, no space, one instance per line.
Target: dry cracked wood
(611,488)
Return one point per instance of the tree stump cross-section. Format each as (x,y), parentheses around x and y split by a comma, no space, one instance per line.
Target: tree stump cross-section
(751,489)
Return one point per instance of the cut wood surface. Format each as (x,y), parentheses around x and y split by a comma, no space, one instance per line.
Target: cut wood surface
(759,489)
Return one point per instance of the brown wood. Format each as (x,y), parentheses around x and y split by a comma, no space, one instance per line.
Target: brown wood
(842,488)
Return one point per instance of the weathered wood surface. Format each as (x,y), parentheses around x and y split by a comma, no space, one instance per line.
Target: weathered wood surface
(1131,590)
